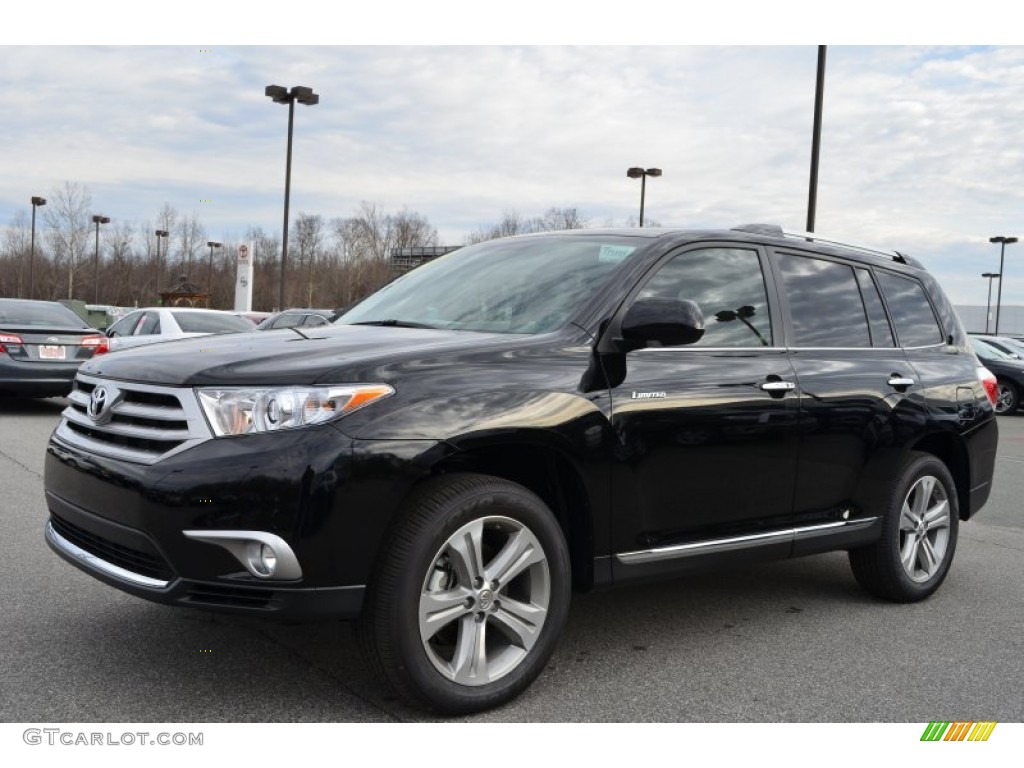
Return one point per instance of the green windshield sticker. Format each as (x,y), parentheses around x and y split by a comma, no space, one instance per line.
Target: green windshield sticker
(613,254)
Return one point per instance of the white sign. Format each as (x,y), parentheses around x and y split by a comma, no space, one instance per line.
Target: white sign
(243,280)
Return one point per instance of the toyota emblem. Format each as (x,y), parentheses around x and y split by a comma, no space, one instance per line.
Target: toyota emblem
(99,403)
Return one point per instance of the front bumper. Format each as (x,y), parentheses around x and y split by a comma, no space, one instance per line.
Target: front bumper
(139,527)
(293,603)
(133,562)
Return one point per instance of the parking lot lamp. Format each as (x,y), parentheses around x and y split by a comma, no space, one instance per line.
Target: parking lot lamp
(160,234)
(36,202)
(209,272)
(1003,242)
(282,95)
(988,307)
(642,174)
(97,220)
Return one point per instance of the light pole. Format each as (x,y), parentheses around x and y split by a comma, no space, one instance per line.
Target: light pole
(819,99)
(209,272)
(282,95)
(988,307)
(160,233)
(642,174)
(1003,242)
(36,202)
(97,220)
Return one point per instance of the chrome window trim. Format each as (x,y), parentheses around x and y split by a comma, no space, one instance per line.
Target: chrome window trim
(714,546)
(93,562)
(748,350)
(781,349)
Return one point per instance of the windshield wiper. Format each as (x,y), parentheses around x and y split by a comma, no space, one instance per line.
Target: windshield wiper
(395,324)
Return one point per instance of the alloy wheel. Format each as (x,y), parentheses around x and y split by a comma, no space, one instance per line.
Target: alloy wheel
(924,529)
(484,600)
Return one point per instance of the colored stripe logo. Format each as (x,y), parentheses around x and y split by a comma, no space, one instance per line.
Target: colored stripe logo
(958,731)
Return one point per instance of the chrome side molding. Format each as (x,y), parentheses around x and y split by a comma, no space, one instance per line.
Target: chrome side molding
(731,544)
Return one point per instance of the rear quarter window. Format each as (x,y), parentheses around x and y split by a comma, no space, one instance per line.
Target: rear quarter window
(911,312)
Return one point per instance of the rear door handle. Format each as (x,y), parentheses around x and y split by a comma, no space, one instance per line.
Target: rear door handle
(778,386)
(900,381)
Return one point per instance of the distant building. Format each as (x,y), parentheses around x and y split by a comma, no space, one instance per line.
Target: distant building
(1011,319)
(404,259)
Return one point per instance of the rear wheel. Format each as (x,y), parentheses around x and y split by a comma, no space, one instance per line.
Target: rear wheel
(919,533)
(1007,397)
(471,595)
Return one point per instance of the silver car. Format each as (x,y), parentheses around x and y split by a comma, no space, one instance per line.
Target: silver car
(153,324)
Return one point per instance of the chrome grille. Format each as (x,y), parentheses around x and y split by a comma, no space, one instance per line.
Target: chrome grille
(142,423)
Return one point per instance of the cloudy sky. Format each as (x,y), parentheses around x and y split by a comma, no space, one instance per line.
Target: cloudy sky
(922,145)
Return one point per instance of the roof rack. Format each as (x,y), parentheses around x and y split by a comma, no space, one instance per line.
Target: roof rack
(774,230)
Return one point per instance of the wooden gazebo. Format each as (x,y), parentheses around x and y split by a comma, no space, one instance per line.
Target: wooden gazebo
(185,294)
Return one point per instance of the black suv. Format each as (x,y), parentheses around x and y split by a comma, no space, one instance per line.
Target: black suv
(529,416)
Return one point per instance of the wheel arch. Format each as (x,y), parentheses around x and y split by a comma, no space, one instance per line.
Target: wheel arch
(952,452)
(554,478)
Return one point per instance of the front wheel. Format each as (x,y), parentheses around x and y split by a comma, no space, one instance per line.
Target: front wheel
(471,594)
(919,532)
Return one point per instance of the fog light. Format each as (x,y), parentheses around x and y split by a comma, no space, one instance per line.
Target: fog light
(264,555)
(262,558)
(269,558)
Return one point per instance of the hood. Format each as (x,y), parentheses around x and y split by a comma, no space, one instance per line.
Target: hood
(331,354)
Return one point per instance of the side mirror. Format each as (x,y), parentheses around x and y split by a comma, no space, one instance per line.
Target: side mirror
(669,322)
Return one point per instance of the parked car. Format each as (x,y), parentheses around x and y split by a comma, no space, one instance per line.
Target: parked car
(42,343)
(530,416)
(304,318)
(153,324)
(255,317)
(1008,368)
(1011,346)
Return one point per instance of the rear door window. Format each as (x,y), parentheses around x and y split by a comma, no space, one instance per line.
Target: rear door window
(825,304)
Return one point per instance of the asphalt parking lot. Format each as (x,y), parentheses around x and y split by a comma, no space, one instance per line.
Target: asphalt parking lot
(795,641)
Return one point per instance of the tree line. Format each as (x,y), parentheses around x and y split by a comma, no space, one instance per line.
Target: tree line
(332,262)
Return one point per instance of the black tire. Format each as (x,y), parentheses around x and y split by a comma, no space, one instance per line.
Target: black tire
(919,533)
(430,600)
(1007,397)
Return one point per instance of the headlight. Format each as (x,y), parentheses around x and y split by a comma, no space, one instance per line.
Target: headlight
(268,409)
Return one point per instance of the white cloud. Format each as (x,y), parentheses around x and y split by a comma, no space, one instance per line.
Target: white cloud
(921,145)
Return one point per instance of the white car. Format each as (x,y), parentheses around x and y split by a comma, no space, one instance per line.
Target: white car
(153,324)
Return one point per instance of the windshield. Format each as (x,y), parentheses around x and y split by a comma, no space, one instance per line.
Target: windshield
(516,285)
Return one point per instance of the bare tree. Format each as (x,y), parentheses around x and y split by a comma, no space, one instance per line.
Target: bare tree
(512,223)
(15,256)
(555,219)
(119,285)
(409,229)
(67,216)
(309,236)
(191,239)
